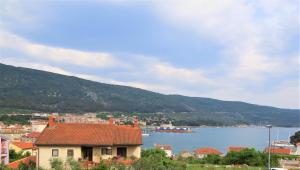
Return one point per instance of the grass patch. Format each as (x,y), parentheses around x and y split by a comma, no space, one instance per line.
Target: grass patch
(220,167)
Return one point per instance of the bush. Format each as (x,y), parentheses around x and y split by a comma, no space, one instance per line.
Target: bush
(101,166)
(154,159)
(56,164)
(74,165)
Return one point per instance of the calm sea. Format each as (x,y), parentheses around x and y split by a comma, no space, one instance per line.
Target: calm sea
(219,138)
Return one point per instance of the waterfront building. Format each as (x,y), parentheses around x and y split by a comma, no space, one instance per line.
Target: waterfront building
(203,152)
(297,152)
(167,148)
(86,142)
(282,151)
(185,154)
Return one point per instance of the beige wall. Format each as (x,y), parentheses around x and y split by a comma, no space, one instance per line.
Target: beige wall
(45,154)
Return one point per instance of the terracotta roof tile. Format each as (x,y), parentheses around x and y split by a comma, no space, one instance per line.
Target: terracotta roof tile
(286,151)
(90,134)
(15,164)
(33,135)
(163,147)
(207,151)
(23,145)
(235,148)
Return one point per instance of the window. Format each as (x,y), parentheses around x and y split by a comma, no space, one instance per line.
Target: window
(55,152)
(70,153)
(106,151)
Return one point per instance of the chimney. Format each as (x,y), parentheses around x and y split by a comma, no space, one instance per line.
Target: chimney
(111,121)
(51,121)
(136,122)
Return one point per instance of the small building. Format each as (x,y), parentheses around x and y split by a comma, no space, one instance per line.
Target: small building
(87,142)
(203,152)
(281,151)
(235,148)
(167,148)
(185,154)
(38,125)
(22,146)
(4,154)
(30,137)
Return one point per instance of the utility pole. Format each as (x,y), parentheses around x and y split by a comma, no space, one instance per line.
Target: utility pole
(269,148)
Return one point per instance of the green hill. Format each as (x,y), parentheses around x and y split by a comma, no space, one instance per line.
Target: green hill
(29,89)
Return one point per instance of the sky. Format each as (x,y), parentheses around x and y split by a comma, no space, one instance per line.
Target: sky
(230,50)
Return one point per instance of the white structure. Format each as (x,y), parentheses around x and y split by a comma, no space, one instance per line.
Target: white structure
(38,125)
(166,148)
(297,149)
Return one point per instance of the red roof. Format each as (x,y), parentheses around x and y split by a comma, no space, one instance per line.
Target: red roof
(298,144)
(23,145)
(90,134)
(207,151)
(286,151)
(33,135)
(163,147)
(235,148)
(15,164)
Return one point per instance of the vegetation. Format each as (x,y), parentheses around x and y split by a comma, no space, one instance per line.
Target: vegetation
(295,138)
(15,119)
(154,159)
(13,155)
(30,166)
(28,89)
(56,164)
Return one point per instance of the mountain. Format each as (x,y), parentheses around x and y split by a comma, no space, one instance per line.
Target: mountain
(24,88)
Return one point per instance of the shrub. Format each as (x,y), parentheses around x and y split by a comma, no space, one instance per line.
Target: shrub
(56,164)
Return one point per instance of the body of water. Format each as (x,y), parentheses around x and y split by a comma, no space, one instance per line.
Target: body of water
(219,138)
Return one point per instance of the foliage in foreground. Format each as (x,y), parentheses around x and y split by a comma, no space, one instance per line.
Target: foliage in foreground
(295,138)
(13,155)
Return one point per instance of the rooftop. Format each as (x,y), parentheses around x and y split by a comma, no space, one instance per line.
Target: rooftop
(207,151)
(89,134)
(23,145)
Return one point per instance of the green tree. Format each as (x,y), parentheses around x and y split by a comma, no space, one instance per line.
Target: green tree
(295,138)
(212,159)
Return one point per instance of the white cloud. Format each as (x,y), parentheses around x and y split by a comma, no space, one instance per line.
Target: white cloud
(236,25)
(56,54)
(252,34)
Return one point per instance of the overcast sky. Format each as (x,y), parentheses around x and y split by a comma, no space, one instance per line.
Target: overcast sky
(237,50)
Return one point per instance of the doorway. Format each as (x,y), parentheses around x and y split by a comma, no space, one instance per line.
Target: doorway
(87,153)
(122,151)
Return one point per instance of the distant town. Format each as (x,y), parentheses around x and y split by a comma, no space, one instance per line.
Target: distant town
(91,138)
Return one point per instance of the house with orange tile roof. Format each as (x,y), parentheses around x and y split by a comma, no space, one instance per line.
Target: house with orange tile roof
(203,152)
(22,146)
(4,154)
(87,142)
(30,137)
(235,148)
(282,151)
(27,160)
(167,148)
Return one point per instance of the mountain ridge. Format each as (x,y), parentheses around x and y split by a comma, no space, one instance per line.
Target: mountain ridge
(25,88)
